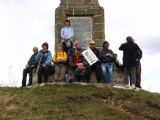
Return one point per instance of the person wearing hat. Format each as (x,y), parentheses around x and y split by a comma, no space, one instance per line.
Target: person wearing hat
(29,67)
(96,66)
(44,57)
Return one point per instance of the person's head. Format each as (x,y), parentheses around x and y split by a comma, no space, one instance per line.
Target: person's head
(76,43)
(60,47)
(35,49)
(92,44)
(67,23)
(129,39)
(105,44)
(116,55)
(45,46)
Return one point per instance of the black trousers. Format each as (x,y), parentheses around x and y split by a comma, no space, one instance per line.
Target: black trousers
(138,75)
(43,74)
(97,69)
(27,70)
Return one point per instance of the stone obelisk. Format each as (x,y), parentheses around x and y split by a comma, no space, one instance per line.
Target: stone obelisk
(87,20)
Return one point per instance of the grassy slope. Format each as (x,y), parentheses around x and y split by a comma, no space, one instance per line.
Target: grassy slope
(75,102)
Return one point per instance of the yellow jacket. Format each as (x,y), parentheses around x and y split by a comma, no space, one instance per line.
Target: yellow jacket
(60,56)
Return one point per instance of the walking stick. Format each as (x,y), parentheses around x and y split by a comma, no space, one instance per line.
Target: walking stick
(35,77)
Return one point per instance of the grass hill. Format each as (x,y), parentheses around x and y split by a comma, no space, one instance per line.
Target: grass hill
(77,102)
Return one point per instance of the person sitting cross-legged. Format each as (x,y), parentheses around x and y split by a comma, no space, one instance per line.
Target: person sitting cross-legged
(79,66)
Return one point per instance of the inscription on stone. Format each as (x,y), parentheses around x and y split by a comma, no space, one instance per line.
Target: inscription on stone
(82,29)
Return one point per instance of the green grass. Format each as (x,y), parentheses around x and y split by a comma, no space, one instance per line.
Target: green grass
(76,102)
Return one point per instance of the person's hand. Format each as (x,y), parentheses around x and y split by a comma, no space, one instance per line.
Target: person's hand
(58,59)
(44,65)
(32,65)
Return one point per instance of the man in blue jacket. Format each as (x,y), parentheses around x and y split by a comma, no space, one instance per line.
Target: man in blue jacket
(29,67)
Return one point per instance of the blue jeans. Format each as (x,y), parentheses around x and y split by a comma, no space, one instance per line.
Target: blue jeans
(107,72)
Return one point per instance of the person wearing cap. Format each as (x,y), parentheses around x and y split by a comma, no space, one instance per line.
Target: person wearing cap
(29,67)
(96,66)
(44,57)
(67,35)
(106,58)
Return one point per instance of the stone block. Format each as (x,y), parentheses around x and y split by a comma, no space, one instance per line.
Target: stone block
(98,35)
(98,19)
(98,27)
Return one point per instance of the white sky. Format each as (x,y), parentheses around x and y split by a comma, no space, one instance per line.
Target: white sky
(28,23)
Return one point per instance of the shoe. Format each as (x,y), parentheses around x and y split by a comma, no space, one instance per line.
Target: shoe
(29,84)
(132,87)
(138,89)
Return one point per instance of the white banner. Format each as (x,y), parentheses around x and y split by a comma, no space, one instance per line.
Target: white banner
(90,56)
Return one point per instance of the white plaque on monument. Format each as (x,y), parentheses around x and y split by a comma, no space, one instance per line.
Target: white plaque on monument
(82,29)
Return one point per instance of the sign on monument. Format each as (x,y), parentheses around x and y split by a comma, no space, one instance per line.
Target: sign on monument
(82,29)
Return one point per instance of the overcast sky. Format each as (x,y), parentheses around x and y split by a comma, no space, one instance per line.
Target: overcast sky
(28,23)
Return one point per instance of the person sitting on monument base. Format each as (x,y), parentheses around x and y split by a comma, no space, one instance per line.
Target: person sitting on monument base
(96,67)
(44,57)
(79,66)
(29,67)
(71,52)
(60,62)
(67,35)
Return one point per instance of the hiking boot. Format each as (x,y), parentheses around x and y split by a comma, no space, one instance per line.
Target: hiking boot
(29,84)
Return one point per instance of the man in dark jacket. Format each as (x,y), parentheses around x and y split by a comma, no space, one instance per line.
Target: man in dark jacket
(106,58)
(129,60)
(29,67)
(138,68)
(96,66)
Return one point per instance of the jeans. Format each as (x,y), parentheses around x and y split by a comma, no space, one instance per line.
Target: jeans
(107,72)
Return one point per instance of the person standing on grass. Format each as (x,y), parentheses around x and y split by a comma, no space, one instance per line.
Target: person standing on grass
(129,49)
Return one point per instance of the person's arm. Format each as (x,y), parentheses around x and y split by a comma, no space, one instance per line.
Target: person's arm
(48,59)
(54,57)
(62,34)
(64,56)
(71,33)
(121,47)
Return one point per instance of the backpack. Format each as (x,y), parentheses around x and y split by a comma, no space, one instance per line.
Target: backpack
(139,54)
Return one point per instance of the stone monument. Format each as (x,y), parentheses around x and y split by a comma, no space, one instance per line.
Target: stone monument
(87,20)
